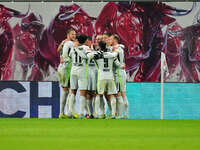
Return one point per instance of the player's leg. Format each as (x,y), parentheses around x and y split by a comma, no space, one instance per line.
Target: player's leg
(93,105)
(119,105)
(100,90)
(112,100)
(111,91)
(63,102)
(102,107)
(92,85)
(109,104)
(123,93)
(82,102)
(64,84)
(72,99)
(90,90)
(82,85)
(126,104)
(67,102)
(89,107)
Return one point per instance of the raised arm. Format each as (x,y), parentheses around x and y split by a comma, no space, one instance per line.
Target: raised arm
(110,54)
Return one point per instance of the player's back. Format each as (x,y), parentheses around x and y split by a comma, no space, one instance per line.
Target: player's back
(79,58)
(105,68)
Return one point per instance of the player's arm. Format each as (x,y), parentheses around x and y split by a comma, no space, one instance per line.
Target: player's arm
(90,54)
(121,55)
(110,54)
(60,46)
(121,46)
(94,54)
(118,64)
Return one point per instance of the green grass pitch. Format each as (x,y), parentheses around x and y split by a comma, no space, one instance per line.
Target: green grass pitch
(97,134)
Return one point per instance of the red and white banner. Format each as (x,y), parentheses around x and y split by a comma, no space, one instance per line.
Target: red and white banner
(31,32)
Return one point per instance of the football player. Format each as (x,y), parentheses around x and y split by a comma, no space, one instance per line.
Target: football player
(64,67)
(78,76)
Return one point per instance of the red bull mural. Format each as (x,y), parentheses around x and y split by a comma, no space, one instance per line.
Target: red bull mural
(30,45)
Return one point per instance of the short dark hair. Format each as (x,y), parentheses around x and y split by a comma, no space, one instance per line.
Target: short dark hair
(116,37)
(82,38)
(89,38)
(102,45)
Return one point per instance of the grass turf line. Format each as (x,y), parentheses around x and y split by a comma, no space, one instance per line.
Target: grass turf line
(97,134)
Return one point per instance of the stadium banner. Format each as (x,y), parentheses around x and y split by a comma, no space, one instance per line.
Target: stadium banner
(42,100)
(30,33)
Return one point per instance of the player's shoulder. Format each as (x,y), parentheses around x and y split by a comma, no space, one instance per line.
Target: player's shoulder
(69,43)
(86,47)
(121,47)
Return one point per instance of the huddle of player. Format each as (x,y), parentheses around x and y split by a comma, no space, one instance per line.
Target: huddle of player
(98,71)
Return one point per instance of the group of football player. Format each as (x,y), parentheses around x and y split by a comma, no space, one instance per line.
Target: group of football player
(97,71)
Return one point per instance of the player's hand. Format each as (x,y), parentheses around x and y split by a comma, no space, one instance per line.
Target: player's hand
(61,60)
(124,66)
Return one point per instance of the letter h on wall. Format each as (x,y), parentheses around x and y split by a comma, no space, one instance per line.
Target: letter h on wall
(36,101)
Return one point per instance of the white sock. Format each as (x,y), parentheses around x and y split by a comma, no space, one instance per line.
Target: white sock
(102,105)
(120,106)
(89,106)
(126,105)
(87,109)
(113,105)
(63,101)
(71,104)
(67,103)
(73,108)
(82,104)
(93,105)
(97,105)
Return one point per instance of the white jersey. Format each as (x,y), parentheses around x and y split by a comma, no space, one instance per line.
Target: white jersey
(120,55)
(91,63)
(92,75)
(105,67)
(79,59)
(120,74)
(64,68)
(78,55)
(66,50)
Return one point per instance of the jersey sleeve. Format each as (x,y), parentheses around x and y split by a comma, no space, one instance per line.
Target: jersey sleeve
(110,54)
(117,63)
(60,47)
(90,54)
(67,48)
(121,55)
